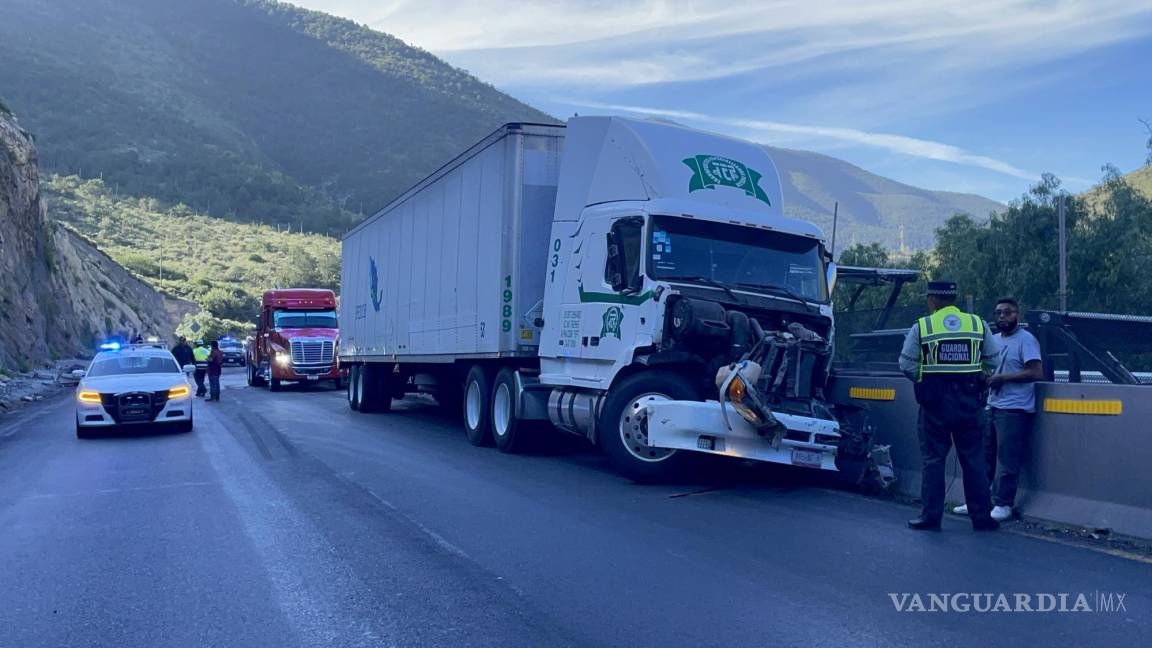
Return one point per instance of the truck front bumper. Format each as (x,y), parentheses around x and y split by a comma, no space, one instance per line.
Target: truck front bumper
(699,426)
(305,373)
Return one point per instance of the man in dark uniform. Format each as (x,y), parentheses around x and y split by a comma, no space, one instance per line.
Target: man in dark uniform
(946,354)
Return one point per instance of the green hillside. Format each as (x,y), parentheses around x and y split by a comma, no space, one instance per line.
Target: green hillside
(246,109)
(221,266)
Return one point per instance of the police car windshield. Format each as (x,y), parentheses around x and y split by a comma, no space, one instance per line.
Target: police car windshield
(305,319)
(127,365)
(229,345)
(736,256)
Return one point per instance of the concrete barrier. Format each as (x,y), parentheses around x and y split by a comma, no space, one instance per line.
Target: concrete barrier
(1090,460)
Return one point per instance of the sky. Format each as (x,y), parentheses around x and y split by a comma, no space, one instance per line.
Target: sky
(971,96)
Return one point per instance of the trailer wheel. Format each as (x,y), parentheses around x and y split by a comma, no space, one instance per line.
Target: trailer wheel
(478,406)
(375,389)
(624,426)
(511,434)
(353,397)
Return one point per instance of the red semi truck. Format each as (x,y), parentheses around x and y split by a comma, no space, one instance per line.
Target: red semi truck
(296,339)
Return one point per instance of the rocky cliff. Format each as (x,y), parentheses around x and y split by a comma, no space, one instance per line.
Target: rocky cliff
(58,293)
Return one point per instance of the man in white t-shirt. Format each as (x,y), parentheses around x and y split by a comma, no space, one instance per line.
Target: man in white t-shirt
(1011,407)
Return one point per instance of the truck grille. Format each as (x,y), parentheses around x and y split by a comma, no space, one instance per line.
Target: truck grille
(311,352)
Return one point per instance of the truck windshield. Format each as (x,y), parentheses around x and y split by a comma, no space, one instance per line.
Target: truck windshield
(304,319)
(736,256)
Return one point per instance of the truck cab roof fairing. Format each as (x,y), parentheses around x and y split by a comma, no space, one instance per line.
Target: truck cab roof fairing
(615,158)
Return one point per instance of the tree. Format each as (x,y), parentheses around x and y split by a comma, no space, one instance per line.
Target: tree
(872,255)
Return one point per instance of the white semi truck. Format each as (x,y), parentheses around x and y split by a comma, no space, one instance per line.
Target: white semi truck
(634,282)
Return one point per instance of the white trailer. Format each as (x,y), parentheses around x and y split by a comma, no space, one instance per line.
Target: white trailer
(633,282)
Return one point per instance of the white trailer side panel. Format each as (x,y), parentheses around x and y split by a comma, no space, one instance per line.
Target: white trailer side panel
(459,259)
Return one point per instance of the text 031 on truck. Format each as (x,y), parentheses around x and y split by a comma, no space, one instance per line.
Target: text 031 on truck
(296,339)
(633,282)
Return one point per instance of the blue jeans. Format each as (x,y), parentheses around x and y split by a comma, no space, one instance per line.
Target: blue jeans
(214,387)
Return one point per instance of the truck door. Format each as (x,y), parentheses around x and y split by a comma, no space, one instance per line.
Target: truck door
(609,286)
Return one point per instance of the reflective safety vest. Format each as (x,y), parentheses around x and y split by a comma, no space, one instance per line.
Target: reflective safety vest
(951,342)
(201,355)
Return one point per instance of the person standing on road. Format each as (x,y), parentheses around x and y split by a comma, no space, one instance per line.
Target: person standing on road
(183,353)
(945,354)
(215,368)
(1011,407)
(200,354)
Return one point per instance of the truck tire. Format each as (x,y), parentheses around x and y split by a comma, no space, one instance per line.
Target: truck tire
(477,406)
(623,427)
(255,379)
(511,434)
(375,389)
(353,396)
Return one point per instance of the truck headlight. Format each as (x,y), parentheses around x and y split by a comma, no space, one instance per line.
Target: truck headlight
(283,359)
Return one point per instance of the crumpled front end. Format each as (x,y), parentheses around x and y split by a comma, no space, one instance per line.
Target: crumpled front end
(706,427)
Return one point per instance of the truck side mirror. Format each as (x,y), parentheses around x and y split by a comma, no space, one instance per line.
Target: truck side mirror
(831,277)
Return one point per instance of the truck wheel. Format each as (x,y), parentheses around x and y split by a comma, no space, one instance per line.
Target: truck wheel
(257,378)
(353,395)
(478,406)
(510,433)
(623,426)
(375,389)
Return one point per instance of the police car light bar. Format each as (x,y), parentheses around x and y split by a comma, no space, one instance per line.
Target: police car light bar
(110,346)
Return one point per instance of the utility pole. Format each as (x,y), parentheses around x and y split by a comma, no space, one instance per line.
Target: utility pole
(1063,256)
(161,259)
(835,218)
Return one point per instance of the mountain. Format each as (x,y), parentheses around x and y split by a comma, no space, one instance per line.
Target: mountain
(247,109)
(259,111)
(872,208)
(220,265)
(58,293)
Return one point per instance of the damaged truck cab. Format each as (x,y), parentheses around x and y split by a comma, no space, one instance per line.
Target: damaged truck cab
(671,260)
(633,282)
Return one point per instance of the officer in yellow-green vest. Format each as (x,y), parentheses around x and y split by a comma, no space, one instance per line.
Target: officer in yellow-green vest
(200,354)
(946,354)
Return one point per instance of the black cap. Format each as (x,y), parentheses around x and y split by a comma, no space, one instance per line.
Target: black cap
(941,289)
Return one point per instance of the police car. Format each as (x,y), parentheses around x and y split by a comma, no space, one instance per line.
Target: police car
(133,385)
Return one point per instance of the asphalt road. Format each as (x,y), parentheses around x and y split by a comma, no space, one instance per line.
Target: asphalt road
(287,520)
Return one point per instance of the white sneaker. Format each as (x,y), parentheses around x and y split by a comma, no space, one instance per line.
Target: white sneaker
(961,510)
(1001,513)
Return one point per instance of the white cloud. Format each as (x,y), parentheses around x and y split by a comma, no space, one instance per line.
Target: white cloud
(607,42)
(900,144)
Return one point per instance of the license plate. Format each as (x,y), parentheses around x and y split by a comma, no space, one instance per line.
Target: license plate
(134,412)
(806,458)
(313,377)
